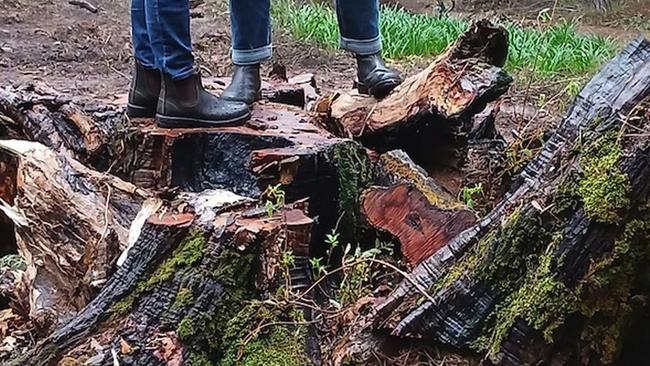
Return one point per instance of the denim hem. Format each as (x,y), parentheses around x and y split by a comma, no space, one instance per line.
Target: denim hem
(251,57)
(183,74)
(145,63)
(361,46)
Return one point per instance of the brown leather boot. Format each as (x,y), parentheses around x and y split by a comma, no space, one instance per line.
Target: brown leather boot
(185,103)
(143,93)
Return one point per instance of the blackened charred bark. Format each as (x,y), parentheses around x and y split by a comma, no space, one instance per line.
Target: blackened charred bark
(473,291)
(186,292)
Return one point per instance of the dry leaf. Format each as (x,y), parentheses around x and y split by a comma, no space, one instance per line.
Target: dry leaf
(125,348)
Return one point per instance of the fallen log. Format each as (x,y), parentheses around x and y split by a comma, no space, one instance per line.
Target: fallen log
(430,114)
(71,222)
(532,281)
(39,113)
(187,291)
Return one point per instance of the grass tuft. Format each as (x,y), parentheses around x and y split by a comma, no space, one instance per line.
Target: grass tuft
(559,49)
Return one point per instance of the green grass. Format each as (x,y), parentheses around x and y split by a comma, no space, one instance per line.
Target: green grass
(559,49)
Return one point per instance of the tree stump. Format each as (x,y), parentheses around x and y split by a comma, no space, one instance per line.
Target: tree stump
(187,291)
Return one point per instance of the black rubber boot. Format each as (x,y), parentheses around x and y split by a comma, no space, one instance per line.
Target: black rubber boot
(375,78)
(143,93)
(246,85)
(184,103)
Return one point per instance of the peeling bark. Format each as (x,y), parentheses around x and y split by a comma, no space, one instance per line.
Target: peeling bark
(430,114)
(71,222)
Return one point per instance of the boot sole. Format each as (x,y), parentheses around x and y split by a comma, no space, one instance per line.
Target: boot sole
(186,122)
(382,89)
(138,111)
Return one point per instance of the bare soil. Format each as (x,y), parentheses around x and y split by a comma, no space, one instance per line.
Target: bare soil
(85,53)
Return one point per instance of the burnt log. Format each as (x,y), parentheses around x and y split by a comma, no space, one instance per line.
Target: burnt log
(93,131)
(190,291)
(430,114)
(85,131)
(531,281)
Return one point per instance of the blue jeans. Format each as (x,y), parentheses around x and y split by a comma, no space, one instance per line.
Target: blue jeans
(251,28)
(161,36)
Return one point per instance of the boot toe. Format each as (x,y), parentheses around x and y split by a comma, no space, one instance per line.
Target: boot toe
(380,83)
(236,109)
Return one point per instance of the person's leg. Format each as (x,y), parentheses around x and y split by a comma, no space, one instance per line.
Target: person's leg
(183,101)
(359,27)
(145,83)
(140,37)
(168,25)
(250,22)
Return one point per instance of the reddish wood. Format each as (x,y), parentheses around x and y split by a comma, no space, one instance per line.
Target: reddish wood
(421,228)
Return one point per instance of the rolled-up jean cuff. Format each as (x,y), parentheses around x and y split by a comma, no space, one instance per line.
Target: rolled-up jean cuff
(251,57)
(361,47)
(184,73)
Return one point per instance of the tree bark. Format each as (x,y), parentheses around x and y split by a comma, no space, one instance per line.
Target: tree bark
(180,296)
(71,222)
(575,228)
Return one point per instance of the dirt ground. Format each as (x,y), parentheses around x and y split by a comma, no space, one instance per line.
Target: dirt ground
(84,53)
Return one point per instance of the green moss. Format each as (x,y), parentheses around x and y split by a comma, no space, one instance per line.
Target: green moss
(122,307)
(279,348)
(508,260)
(189,251)
(200,359)
(186,328)
(274,345)
(566,197)
(235,270)
(467,264)
(542,301)
(184,297)
(354,173)
(604,188)
(610,286)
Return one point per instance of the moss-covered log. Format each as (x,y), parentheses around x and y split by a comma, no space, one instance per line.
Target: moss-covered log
(553,273)
(430,114)
(191,291)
